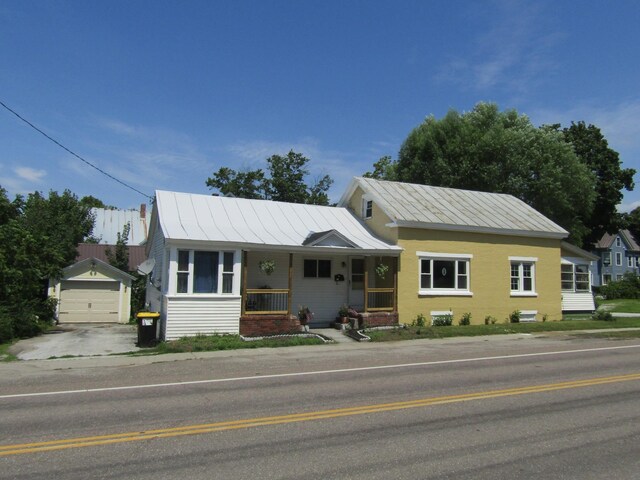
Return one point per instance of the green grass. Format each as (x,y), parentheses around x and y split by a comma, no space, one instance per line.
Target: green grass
(5,356)
(612,335)
(622,305)
(210,343)
(410,333)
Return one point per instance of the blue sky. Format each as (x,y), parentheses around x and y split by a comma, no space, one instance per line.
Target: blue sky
(163,93)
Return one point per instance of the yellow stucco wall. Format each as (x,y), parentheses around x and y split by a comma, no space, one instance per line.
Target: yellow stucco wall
(378,221)
(489,275)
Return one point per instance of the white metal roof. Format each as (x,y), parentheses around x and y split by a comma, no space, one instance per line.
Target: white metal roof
(109,222)
(260,223)
(424,206)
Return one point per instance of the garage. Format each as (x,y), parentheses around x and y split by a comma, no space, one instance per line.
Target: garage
(92,291)
(89,301)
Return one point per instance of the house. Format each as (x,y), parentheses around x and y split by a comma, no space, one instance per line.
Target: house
(233,265)
(462,251)
(576,279)
(617,254)
(108,222)
(91,290)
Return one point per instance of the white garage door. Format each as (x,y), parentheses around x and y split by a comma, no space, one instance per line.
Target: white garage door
(82,302)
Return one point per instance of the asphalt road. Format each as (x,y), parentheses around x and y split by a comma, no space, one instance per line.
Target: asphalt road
(541,406)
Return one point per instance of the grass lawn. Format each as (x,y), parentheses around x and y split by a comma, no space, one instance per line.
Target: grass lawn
(210,343)
(622,305)
(5,356)
(410,333)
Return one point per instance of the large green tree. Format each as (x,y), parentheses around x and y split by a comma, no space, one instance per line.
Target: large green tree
(610,178)
(287,181)
(38,237)
(500,151)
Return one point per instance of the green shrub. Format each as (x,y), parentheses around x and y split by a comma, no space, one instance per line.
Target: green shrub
(603,316)
(627,287)
(490,320)
(465,319)
(419,321)
(442,320)
(514,317)
(6,326)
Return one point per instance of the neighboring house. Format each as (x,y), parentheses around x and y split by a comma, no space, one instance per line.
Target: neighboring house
(110,221)
(214,256)
(617,254)
(91,290)
(463,251)
(575,269)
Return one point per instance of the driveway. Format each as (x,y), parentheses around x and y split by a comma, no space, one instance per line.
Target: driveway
(78,340)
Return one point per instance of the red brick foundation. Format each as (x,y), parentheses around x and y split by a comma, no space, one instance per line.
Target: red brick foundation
(258,325)
(377,319)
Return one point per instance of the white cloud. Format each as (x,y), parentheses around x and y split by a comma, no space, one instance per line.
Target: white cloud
(627,207)
(514,52)
(30,174)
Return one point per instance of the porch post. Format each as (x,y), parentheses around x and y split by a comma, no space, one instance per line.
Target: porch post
(366,284)
(395,285)
(290,284)
(244,282)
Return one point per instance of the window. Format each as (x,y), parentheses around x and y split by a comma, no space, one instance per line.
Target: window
(523,276)
(630,262)
(619,259)
(367,208)
(606,278)
(575,278)
(317,268)
(619,277)
(618,242)
(204,272)
(444,274)
(606,258)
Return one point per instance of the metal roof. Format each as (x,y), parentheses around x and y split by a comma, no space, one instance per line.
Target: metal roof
(424,206)
(607,240)
(109,222)
(94,250)
(260,223)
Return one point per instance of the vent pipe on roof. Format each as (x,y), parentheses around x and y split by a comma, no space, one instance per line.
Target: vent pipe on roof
(143,211)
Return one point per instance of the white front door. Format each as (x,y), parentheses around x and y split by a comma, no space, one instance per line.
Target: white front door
(356,283)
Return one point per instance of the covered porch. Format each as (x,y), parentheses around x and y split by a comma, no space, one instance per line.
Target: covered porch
(276,285)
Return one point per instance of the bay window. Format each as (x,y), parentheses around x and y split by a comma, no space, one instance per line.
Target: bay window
(205,272)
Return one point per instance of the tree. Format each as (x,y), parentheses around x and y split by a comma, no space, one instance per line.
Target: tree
(286,181)
(119,258)
(38,237)
(610,178)
(384,169)
(493,151)
(631,221)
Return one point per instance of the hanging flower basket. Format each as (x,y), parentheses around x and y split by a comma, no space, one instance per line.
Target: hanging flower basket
(267,266)
(382,270)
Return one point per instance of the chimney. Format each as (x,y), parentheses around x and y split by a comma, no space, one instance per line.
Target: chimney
(143,211)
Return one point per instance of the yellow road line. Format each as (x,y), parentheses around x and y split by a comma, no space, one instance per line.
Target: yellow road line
(17,449)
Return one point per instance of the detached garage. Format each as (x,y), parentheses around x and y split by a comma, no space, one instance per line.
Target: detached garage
(91,290)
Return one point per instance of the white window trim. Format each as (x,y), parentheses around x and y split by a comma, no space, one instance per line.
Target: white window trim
(618,259)
(528,313)
(630,262)
(173,274)
(365,200)
(618,242)
(445,292)
(520,261)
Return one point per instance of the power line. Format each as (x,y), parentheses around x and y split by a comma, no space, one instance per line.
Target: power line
(73,153)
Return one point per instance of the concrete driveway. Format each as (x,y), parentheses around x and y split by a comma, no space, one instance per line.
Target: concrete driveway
(85,339)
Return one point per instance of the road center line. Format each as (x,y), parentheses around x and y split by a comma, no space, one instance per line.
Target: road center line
(317,372)
(63,444)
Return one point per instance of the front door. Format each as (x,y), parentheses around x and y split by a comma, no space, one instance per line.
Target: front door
(356,283)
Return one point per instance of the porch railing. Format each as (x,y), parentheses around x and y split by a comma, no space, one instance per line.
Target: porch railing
(265,301)
(381,299)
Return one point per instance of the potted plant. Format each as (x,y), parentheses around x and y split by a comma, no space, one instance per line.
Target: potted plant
(381,270)
(343,313)
(305,316)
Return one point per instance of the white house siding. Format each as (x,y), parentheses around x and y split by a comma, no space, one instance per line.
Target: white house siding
(577,301)
(192,315)
(323,296)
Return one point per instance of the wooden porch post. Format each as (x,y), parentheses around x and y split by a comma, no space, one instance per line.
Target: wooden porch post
(366,284)
(244,282)
(290,295)
(395,285)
